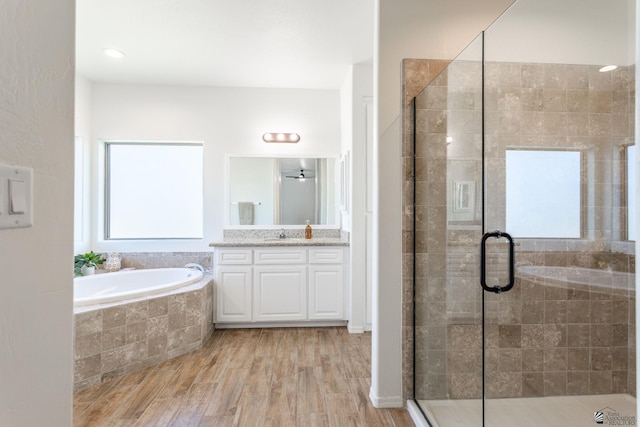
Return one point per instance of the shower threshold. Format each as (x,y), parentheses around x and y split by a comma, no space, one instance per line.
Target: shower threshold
(551,411)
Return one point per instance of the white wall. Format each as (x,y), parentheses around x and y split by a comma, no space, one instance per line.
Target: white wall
(227,120)
(82,232)
(356,96)
(566,32)
(347,98)
(407,29)
(36,273)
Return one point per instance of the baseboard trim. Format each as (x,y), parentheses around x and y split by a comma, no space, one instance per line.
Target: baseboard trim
(355,329)
(385,402)
(283,324)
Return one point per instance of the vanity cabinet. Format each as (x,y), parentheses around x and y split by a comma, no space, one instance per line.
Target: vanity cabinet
(233,285)
(279,284)
(280,293)
(233,293)
(326,284)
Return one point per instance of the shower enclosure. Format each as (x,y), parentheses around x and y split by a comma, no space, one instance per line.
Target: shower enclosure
(522,229)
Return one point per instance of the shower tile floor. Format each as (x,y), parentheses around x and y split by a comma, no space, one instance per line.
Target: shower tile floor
(553,411)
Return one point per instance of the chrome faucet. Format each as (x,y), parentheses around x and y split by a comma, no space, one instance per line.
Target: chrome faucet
(282,235)
(195,266)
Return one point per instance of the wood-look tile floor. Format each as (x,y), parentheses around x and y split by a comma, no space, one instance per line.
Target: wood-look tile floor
(248,377)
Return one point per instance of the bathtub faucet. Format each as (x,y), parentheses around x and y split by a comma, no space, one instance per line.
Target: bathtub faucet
(194,265)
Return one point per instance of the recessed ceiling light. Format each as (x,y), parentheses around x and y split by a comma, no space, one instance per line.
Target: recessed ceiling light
(114,53)
(608,68)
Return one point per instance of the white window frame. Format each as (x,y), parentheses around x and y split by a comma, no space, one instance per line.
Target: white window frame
(103,211)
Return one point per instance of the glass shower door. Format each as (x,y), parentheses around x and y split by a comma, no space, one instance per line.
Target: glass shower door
(558,344)
(448,228)
(524,184)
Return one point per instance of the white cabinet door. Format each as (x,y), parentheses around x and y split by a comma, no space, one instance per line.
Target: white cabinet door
(280,293)
(326,292)
(233,294)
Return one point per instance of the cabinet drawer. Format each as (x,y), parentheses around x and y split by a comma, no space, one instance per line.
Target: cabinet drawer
(281,256)
(233,256)
(326,255)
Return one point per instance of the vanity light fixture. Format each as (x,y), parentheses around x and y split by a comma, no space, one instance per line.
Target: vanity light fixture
(608,68)
(281,137)
(114,53)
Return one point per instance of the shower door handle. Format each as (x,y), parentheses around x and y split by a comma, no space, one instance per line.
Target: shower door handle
(496,289)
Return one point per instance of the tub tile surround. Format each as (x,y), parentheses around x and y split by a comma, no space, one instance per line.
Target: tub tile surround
(165,259)
(119,339)
(114,339)
(542,340)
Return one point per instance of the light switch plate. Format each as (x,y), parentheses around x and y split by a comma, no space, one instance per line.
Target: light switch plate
(16,196)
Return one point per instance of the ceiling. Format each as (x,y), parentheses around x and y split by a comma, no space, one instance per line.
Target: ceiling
(229,43)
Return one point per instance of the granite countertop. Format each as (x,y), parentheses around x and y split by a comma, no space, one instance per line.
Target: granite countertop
(269,242)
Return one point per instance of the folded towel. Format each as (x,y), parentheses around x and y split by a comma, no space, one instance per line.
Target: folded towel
(245,213)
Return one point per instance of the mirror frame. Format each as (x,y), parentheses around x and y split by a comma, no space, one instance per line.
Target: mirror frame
(227,186)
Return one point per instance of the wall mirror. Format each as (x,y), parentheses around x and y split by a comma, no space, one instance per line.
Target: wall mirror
(280,191)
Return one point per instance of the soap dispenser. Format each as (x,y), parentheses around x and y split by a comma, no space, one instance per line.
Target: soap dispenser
(307,231)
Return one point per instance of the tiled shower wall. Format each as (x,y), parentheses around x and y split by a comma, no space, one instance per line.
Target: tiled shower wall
(527,105)
(417,73)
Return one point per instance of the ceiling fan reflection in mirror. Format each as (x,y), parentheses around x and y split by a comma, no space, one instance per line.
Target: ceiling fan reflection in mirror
(301,176)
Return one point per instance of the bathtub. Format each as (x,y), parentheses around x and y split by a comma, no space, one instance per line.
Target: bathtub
(130,284)
(131,320)
(578,277)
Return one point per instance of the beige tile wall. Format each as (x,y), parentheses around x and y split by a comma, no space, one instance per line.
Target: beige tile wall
(165,259)
(541,342)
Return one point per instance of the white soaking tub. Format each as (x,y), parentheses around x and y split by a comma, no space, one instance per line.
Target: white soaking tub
(129,284)
(580,278)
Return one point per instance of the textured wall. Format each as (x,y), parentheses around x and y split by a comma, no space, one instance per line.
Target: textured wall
(36,130)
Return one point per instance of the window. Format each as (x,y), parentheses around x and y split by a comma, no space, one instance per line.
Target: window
(153,190)
(543,193)
(631,191)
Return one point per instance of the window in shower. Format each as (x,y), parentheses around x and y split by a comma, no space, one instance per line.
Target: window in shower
(153,190)
(543,193)
(630,154)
